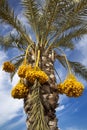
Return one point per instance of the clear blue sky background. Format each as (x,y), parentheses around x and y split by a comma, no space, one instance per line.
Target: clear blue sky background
(72,112)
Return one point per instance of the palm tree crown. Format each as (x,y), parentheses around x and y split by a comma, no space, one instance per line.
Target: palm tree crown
(54,23)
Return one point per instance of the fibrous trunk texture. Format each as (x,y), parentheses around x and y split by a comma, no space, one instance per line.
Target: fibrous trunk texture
(48,94)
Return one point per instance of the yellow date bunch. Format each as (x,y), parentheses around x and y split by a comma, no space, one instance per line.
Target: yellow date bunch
(71,87)
(20,91)
(8,67)
(41,76)
(31,74)
(23,69)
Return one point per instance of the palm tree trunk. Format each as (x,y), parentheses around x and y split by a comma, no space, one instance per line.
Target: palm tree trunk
(49,94)
(49,91)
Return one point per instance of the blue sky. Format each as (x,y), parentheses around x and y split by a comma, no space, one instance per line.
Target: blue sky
(72,112)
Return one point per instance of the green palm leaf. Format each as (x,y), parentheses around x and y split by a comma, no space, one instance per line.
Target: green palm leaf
(50,14)
(7,15)
(11,41)
(6,42)
(77,67)
(66,39)
(78,9)
(69,20)
(31,11)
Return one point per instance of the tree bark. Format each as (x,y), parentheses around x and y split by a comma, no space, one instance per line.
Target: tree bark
(49,93)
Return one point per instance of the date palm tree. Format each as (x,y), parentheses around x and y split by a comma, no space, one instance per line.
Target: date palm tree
(55,24)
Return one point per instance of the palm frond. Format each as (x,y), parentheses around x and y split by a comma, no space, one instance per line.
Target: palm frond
(19,41)
(61,59)
(73,10)
(7,15)
(61,29)
(79,9)
(77,67)
(67,38)
(31,11)
(12,41)
(50,14)
(69,18)
(76,11)
(6,42)
(42,29)
(66,45)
